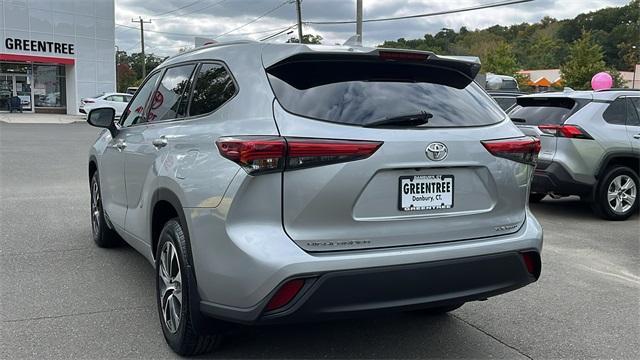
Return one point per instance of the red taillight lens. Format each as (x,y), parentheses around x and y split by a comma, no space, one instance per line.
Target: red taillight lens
(568,131)
(268,154)
(523,149)
(254,154)
(316,152)
(285,294)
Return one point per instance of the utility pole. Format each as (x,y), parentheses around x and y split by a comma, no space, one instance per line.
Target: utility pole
(117,51)
(299,20)
(359,20)
(144,58)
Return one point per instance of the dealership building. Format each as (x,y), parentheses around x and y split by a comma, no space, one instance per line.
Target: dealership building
(55,52)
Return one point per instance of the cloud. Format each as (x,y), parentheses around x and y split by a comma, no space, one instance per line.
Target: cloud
(175,23)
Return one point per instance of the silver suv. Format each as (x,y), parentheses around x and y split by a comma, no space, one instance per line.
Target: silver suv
(590,146)
(272,183)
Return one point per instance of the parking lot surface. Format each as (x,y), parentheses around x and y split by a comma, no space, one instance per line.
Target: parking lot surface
(62,297)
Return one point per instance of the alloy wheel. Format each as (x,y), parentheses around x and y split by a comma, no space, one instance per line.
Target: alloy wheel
(170,287)
(95,208)
(621,194)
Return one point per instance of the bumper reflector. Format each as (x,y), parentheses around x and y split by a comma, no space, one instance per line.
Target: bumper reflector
(532,262)
(285,294)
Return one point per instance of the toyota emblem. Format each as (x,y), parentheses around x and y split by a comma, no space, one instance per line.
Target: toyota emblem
(437,151)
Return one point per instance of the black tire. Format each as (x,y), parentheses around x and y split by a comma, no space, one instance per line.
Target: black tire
(438,310)
(606,209)
(184,339)
(536,198)
(102,235)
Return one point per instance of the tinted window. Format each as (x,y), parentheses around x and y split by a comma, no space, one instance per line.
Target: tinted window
(212,88)
(168,100)
(539,110)
(135,112)
(364,92)
(505,102)
(116,98)
(616,113)
(509,85)
(633,108)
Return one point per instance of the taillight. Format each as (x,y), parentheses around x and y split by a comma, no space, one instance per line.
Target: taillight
(568,131)
(285,294)
(522,149)
(87,101)
(254,154)
(258,154)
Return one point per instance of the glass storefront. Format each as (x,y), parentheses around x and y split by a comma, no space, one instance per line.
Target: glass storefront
(49,87)
(39,85)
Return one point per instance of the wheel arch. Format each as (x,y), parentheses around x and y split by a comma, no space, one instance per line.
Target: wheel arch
(627,159)
(93,166)
(166,206)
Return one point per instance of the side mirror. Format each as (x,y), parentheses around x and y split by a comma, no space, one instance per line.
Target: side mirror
(103,118)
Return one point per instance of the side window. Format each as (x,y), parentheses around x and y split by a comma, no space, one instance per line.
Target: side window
(109,98)
(634,111)
(212,88)
(127,98)
(135,112)
(167,103)
(616,113)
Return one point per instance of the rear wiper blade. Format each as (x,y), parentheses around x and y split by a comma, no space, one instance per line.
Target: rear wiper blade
(408,119)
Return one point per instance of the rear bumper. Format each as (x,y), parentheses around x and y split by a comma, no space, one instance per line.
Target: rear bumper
(356,292)
(555,178)
(238,276)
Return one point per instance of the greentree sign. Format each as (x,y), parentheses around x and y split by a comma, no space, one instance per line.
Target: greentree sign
(38,46)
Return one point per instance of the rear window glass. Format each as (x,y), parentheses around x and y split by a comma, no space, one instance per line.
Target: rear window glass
(538,110)
(616,112)
(364,92)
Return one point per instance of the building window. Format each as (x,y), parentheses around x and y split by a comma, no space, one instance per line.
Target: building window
(49,88)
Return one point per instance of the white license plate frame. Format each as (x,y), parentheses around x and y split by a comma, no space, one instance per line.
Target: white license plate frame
(426,200)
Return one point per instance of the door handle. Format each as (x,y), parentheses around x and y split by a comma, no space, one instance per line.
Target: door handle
(636,136)
(160,142)
(120,145)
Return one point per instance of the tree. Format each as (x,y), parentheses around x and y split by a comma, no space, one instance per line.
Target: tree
(585,60)
(501,61)
(307,39)
(126,77)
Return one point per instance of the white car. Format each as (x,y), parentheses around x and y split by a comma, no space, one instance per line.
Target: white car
(117,101)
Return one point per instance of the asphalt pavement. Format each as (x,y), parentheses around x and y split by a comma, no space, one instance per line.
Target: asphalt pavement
(62,297)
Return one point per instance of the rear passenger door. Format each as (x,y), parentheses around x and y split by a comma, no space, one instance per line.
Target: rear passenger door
(633,122)
(146,142)
(193,170)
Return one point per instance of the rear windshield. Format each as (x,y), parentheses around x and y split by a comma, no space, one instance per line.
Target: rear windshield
(539,110)
(364,92)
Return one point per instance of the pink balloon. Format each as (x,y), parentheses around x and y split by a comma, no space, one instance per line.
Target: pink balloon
(601,80)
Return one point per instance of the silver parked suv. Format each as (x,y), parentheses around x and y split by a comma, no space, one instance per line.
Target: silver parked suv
(273,183)
(590,146)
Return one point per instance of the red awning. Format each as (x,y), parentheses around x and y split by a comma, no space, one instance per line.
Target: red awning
(36,59)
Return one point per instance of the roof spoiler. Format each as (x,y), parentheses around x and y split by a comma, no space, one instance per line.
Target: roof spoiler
(467,65)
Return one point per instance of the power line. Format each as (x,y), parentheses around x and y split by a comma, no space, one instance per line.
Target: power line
(471,8)
(127,27)
(256,19)
(279,32)
(179,8)
(193,11)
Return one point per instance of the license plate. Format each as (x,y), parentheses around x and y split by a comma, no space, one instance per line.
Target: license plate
(425,192)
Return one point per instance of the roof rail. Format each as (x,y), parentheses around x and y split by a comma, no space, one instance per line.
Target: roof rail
(216,44)
(617,89)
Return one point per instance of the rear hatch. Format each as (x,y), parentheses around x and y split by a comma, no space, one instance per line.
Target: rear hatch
(431,179)
(540,116)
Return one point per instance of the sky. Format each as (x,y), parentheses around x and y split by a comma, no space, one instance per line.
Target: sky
(175,23)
